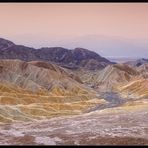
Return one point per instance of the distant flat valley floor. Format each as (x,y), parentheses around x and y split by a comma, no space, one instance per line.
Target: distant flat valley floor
(122,59)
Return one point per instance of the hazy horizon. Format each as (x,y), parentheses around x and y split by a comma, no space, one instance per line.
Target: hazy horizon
(110,29)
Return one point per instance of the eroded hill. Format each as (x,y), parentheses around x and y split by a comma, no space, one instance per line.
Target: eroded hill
(38,90)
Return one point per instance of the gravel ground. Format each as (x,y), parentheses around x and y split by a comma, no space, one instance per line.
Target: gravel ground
(105,127)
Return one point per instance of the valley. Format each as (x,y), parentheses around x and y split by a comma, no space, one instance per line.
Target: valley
(57,96)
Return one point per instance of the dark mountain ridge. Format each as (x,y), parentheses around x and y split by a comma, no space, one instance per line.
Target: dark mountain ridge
(75,58)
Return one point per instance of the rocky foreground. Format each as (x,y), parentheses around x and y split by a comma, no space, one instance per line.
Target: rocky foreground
(105,127)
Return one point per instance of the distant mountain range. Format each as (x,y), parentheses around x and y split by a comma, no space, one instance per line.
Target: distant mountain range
(137,63)
(107,46)
(72,59)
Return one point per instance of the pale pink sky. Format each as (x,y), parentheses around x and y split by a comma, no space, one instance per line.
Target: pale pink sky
(33,22)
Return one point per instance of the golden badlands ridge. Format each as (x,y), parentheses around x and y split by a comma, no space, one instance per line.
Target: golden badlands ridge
(39,90)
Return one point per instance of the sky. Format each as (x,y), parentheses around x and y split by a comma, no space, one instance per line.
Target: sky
(111,29)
